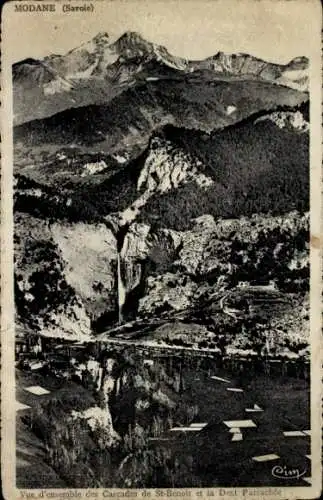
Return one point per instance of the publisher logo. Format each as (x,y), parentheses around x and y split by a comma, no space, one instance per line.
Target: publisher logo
(284,472)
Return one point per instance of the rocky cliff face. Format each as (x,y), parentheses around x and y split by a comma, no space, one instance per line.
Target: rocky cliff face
(166,167)
(162,272)
(294,74)
(65,275)
(156,198)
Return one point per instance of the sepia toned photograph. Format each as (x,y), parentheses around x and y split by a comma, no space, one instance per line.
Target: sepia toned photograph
(162,175)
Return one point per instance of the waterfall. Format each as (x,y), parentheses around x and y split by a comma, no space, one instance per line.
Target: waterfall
(121,290)
(129,274)
(117,390)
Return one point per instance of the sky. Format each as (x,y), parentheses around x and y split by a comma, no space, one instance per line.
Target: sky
(275,30)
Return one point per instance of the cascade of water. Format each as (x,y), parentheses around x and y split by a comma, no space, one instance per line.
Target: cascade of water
(121,290)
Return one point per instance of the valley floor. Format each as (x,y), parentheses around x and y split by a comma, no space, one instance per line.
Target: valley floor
(223,462)
(218,459)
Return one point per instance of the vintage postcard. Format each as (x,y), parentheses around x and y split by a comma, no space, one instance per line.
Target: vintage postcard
(161,249)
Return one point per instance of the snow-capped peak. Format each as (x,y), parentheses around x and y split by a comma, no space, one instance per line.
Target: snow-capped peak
(102,37)
(132,37)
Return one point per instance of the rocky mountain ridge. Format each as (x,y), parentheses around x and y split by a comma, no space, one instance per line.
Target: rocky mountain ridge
(143,205)
(99,70)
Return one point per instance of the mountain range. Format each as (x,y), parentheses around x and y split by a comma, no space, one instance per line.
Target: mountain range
(99,70)
(148,185)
